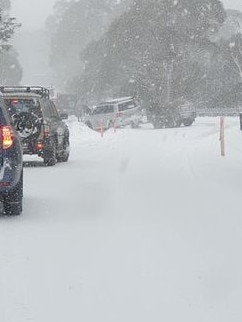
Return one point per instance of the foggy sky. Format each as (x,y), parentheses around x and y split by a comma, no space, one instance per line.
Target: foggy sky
(232,4)
(32,13)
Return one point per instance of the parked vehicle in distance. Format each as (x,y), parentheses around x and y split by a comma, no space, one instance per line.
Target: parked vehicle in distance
(169,116)
(11,164)
(38,123)
(116,112)
(66,103)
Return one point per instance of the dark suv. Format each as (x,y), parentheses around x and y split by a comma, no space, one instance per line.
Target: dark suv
(11,165)
(38,123)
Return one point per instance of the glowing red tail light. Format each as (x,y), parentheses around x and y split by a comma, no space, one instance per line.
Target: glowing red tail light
(39,146)
(7,137)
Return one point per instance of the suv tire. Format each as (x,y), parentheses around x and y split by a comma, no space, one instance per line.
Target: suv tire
(50,155)
(66,151)
(13,200)
(188,122)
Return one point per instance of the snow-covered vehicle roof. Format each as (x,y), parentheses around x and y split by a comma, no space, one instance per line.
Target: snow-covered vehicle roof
(117,100)
(25,91)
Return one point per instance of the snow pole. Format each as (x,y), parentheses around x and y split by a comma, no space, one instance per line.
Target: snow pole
(101,128)
(114,125)
(221,137)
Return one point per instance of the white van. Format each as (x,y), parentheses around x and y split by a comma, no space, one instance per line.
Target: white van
(116,112)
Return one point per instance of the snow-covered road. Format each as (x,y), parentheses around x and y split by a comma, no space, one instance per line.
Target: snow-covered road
(140,225)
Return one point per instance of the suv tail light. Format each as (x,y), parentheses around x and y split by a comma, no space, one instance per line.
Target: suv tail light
(7,137)
(39,146)
(119,114)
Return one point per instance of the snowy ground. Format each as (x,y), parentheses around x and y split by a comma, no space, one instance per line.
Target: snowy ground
(140,225)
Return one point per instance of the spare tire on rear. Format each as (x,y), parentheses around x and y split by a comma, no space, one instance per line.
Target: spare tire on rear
(27,124)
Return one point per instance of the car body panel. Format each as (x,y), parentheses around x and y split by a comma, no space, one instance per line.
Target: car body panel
(11,159)
(121,112)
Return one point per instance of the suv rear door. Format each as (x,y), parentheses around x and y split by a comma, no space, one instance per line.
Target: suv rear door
(55,123)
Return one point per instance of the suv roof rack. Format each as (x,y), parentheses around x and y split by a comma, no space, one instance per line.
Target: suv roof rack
(44,92)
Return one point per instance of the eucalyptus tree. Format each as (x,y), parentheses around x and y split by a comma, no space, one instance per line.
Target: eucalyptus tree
(5,5)
(231,26)
(7,28)
(10,69)
(157,50)
(73,26)
(231,68)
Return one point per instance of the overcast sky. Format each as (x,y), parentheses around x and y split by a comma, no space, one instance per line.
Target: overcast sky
(33,13)
(232,4)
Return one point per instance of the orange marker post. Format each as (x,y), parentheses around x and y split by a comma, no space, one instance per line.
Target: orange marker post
(221,138)
(101,131)
(101,128)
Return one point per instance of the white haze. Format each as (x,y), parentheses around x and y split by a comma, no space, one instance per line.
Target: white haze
(31,41)
(232,4)
(33,46)
(32,13)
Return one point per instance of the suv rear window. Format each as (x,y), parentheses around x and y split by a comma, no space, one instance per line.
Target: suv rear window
(127,105)
(105,109)
(17,106)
